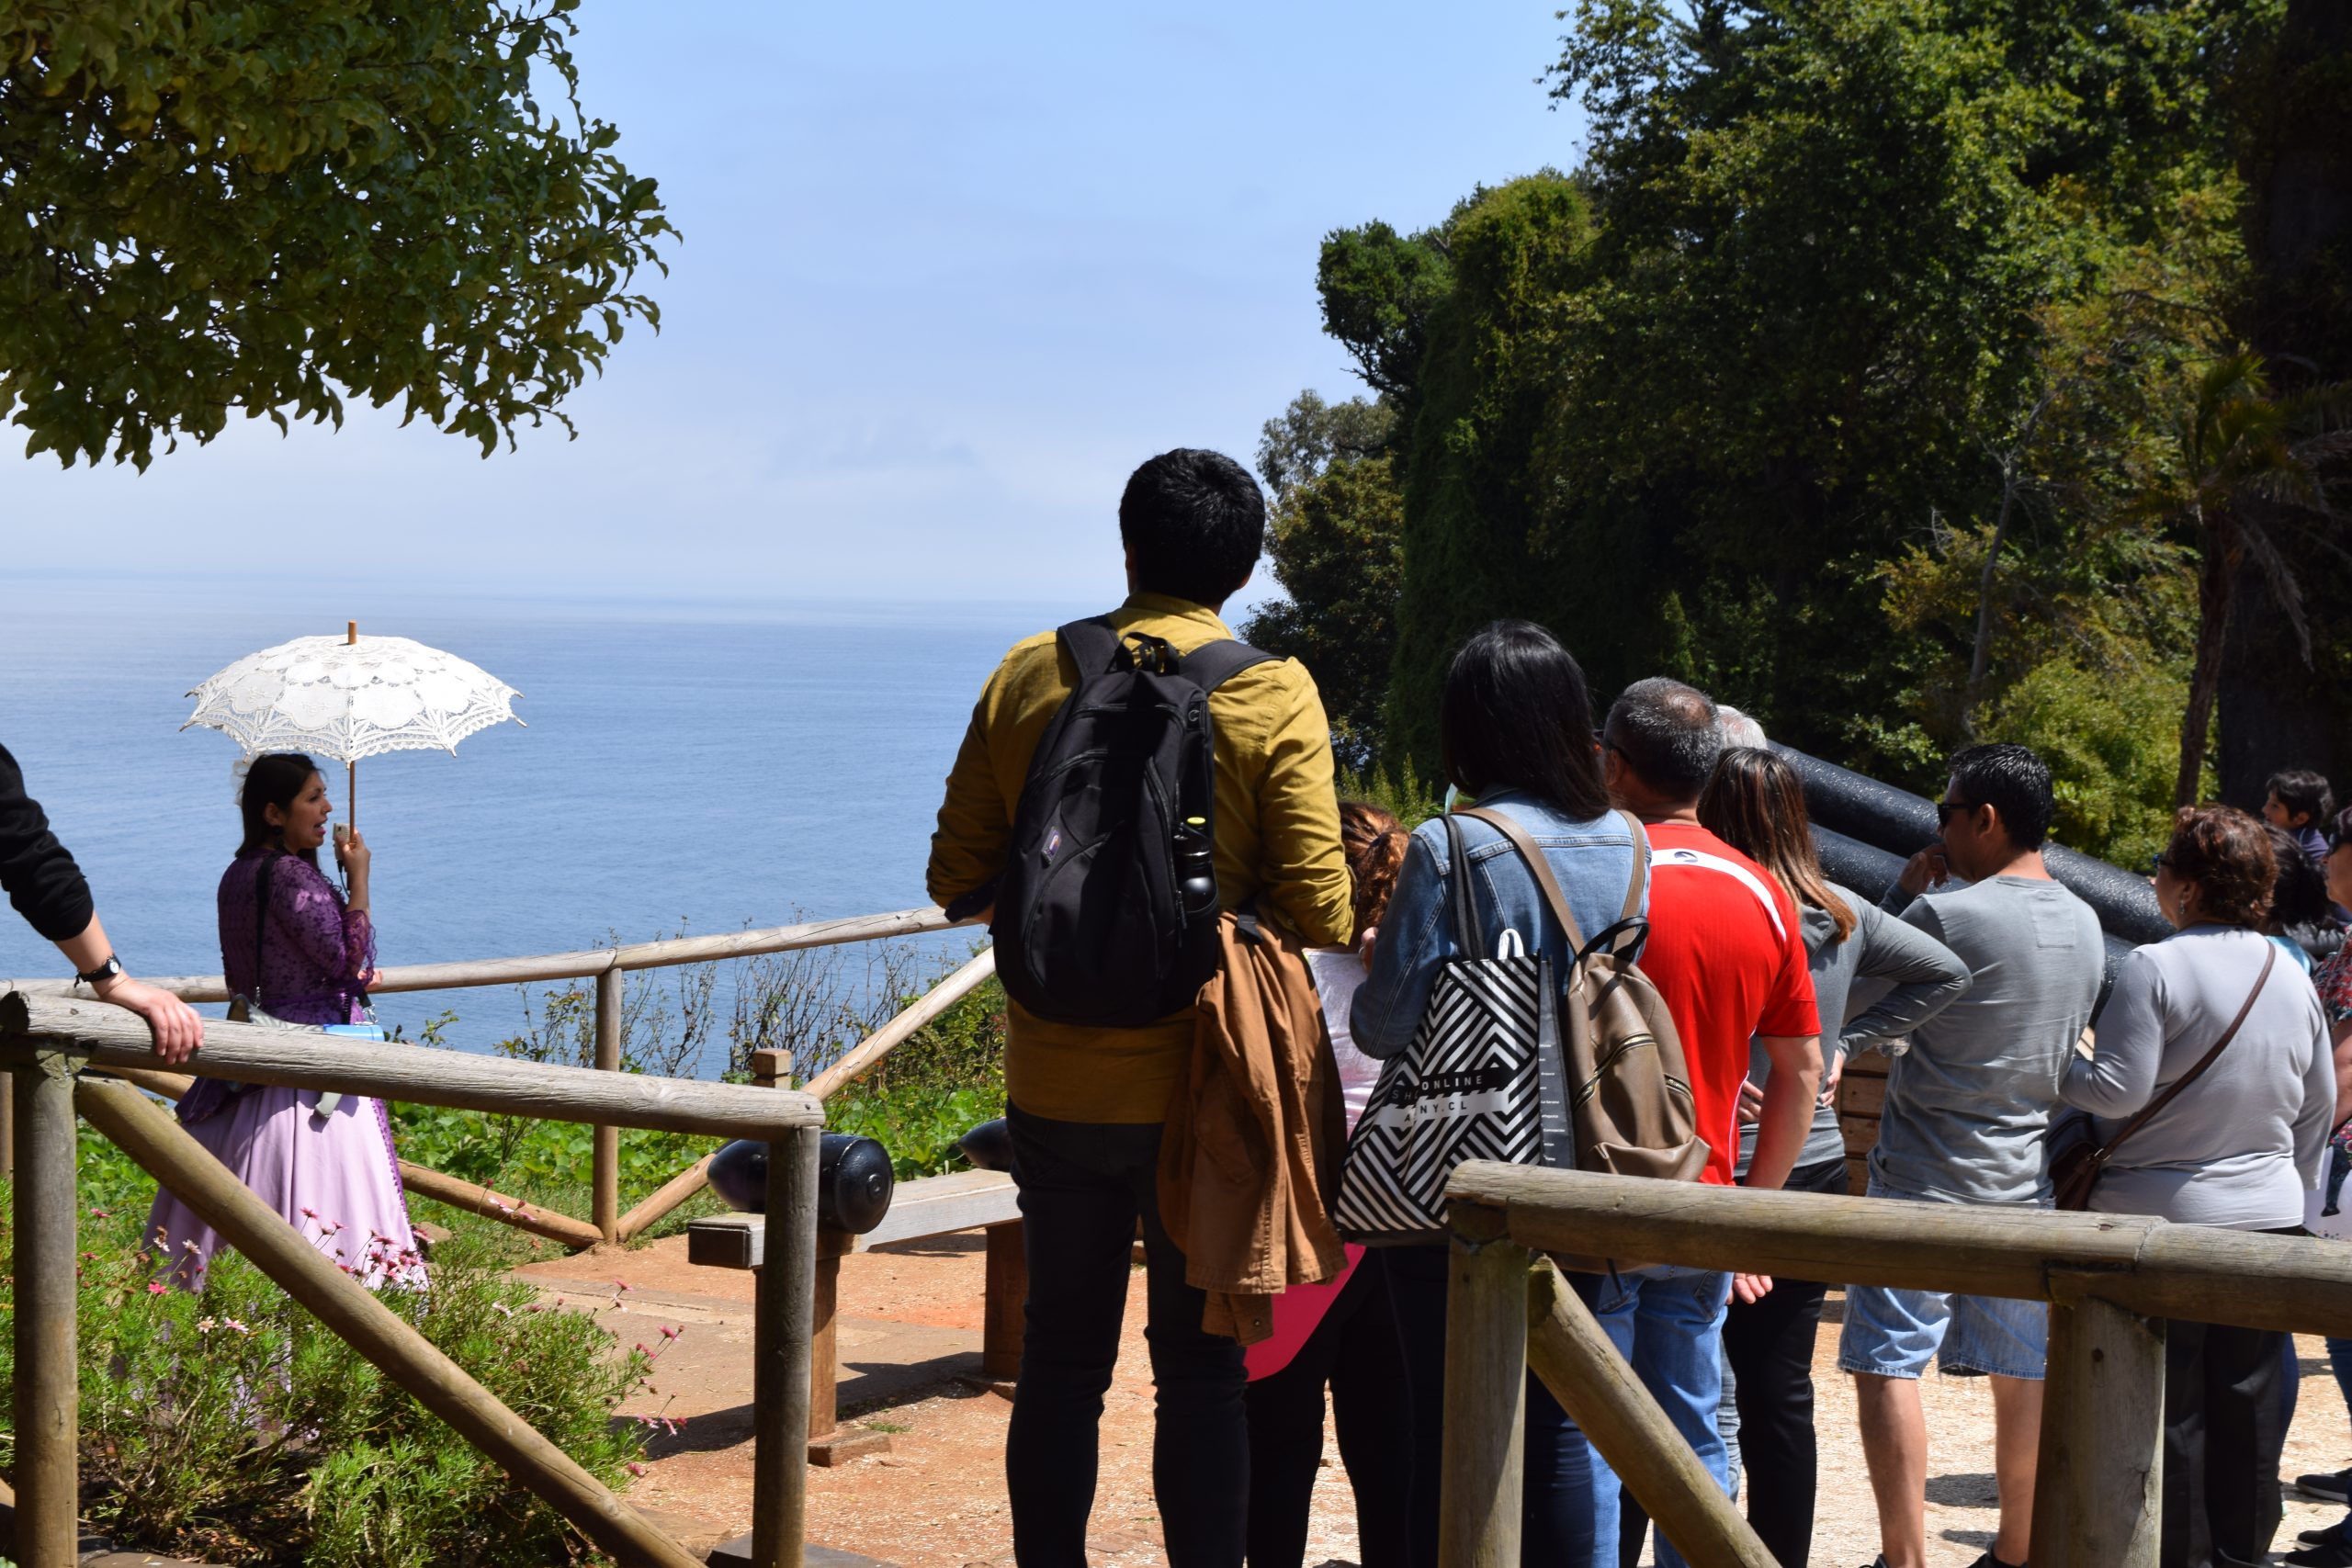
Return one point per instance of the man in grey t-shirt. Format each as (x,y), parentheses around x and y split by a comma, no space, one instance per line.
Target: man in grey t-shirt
(1967,1110)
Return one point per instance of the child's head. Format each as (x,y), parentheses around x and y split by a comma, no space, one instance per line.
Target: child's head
(1374,842)
(2297,799)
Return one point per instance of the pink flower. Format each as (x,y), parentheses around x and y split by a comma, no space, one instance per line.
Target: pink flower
(669,1333)
(635,1468)
(309,1214)
(155,1287)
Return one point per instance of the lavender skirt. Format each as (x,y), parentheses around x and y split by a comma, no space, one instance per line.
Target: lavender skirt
(334,1178)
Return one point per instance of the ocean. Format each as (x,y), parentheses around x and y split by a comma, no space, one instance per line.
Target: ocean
(700,766)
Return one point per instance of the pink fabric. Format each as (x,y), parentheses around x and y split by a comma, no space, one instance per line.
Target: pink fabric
(1298,1310)
(333,1178)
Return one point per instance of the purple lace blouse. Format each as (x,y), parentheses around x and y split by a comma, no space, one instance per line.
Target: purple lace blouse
(313,953)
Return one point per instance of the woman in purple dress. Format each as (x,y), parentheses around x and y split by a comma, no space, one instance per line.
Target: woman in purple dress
(299,951)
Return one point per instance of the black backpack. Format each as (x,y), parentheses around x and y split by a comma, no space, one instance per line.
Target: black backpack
(1106,913)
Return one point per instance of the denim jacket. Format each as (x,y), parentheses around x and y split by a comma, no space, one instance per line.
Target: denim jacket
(1594,861)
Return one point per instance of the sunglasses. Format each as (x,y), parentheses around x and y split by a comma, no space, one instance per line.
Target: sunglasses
(2157,861)
(1948,809)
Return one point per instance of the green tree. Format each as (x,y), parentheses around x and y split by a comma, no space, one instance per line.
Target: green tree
(2248,467)
(1333,539)
(274,205)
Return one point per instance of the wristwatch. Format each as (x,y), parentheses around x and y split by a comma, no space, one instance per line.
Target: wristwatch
(111,969)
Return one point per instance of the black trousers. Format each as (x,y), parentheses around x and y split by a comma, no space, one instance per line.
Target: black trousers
(1083,1186)
(1768,1346)
(1355,1349)
(2224,1426)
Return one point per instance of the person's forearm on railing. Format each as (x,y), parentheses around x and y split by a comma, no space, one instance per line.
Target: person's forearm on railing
(177,1029)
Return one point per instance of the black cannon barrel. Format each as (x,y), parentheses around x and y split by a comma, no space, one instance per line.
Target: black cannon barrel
(1849,862)
(1884,817)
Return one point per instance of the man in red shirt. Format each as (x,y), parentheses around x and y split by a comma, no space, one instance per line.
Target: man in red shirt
(1726,952)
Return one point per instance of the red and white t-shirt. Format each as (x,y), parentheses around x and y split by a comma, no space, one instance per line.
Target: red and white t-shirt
(1726,952)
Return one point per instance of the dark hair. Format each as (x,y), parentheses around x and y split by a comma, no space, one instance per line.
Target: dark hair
(1755,803)
(2299,889)
(1375,843)
(1194,522)
(2339,833)
(2303,793)
(1516,716)
(2015,782)
(273,778)
(2226,855)
(1667,734)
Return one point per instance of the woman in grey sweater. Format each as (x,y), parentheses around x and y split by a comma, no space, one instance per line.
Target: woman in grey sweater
(2237,1148)
(1755,803)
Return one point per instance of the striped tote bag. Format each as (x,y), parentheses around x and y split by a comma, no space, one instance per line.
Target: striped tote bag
(1481,1079)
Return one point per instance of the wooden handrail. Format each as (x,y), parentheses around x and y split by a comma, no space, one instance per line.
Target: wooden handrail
(300,1059)
(880,1044)
(470,972)
(2194,1272)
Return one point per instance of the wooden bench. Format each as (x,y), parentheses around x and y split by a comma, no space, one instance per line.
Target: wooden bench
(933,1206)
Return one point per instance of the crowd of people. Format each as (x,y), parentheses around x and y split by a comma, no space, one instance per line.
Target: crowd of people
(2218,1082)
(1976,973)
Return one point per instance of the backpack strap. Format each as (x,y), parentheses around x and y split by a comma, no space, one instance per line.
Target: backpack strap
(1093,645)
(1641,867)
(1214,663)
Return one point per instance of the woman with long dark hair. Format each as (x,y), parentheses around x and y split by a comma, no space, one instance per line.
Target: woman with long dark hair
(1755,803)
(1516,733)
(297,951)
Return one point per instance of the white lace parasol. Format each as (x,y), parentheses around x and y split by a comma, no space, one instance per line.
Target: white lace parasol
(349,697)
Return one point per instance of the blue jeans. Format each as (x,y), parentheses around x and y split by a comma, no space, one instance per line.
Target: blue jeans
(1668,1324)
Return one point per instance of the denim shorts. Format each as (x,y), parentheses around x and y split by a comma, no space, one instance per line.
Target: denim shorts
(1895,1333)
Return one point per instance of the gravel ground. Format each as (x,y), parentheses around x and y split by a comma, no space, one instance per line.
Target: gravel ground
(910,1321)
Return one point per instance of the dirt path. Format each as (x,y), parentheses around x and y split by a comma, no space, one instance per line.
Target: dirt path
(910,1335)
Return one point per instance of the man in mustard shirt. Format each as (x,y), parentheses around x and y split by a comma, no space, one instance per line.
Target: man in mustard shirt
(1087,1104)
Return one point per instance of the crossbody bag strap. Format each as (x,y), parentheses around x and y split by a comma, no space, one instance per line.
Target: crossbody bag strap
(2148,1113)
(261,916)
(1538,863)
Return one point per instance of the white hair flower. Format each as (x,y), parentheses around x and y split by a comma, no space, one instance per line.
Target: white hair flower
(237,771)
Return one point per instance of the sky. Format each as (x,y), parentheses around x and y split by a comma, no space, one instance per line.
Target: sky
(948,273)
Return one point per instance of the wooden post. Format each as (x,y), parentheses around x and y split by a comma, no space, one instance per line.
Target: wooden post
(771,1068)
(150,1136)
(7,1124)
(606,1209)
(2098,1494)
(824,1347)
(47,1411)
(1573,1356)
(1485,1392)
(787,1292)
(443,1188)
(1005,1320)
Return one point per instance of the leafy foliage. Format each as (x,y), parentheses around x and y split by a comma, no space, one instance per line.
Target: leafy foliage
(1335,540)
(271,207)
(229,1426)
(1837,376)
(929,1092)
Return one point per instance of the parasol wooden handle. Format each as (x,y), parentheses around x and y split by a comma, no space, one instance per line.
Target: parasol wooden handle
(351,788)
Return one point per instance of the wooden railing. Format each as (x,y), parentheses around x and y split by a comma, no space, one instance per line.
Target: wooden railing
(55,1050)
(608,967)
(2111,1280)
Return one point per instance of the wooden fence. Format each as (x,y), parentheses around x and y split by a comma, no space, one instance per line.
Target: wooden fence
(55,1050)
(2111,1280)
(609,968)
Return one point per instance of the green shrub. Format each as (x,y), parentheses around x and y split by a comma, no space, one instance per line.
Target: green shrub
(932,1091)
(2111,736)
(229,1426)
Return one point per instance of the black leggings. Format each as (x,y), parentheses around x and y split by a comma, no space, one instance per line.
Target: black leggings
(1768,1344)
(2223,1431)
(1356,1349)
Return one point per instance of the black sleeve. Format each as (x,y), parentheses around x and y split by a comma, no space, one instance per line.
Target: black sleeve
(40,875)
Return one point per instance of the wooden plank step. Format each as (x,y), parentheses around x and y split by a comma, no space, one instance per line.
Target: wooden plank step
(934,1205)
